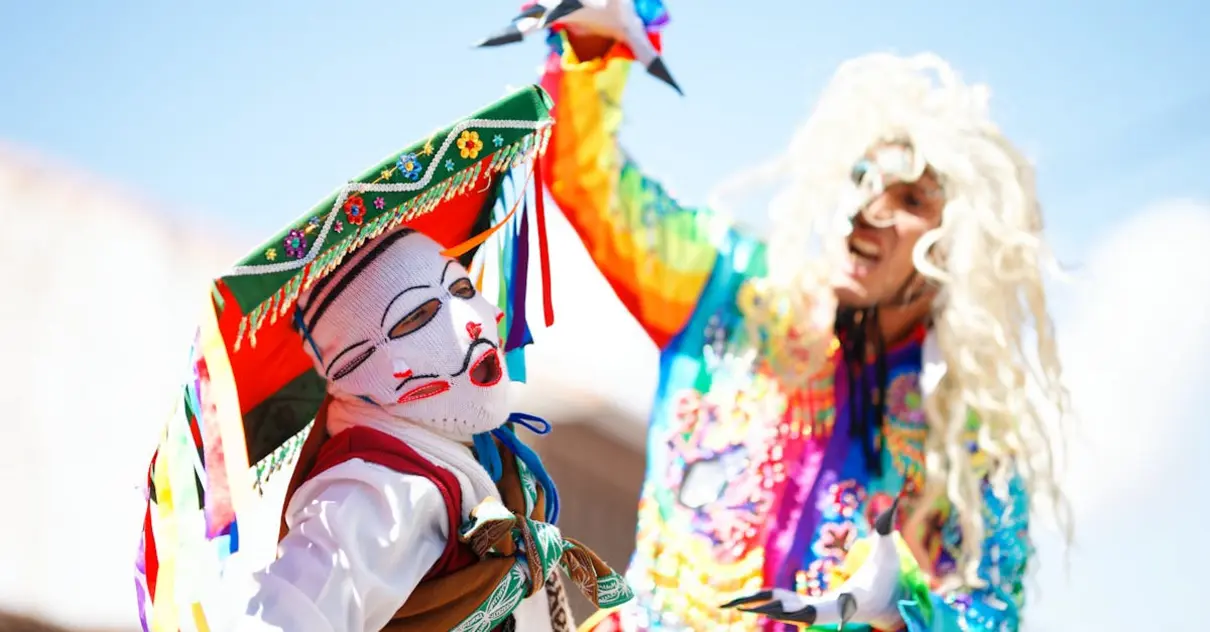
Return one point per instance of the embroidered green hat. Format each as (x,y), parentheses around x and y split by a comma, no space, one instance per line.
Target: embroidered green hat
(252,391)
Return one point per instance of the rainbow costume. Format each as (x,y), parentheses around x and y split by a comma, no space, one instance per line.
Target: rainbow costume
(751,484)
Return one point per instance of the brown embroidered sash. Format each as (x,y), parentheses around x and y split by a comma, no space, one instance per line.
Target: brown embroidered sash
(495,532)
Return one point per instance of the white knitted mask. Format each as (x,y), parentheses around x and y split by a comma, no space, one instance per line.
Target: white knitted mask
(401,325)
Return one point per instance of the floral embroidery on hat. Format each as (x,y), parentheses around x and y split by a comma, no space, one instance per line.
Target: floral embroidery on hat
(296,244)
(469,144)
(355,210)
(409,166)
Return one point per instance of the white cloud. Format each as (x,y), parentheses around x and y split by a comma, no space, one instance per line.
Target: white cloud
(1135,340)
(1135,348)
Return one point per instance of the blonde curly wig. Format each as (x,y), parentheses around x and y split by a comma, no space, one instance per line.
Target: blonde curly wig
(990,316)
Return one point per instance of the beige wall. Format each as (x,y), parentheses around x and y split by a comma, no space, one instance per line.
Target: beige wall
(598,477)
(99,291)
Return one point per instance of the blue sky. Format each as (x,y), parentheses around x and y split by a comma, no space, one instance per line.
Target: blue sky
(247,113)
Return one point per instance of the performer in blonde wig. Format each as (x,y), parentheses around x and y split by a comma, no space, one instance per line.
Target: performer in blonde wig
(844,431)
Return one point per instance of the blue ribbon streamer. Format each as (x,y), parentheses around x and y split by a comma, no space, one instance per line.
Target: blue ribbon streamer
(489,456)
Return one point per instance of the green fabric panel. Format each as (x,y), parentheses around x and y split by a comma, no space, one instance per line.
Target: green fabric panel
(530,104)
(282,416)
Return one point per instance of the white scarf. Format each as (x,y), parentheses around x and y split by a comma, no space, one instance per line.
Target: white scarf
(445,453)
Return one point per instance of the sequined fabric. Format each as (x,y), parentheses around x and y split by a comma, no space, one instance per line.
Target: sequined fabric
(749,486)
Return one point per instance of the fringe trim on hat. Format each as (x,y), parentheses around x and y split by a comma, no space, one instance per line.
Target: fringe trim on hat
(524,152)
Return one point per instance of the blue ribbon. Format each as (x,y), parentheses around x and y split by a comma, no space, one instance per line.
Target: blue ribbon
(489,456)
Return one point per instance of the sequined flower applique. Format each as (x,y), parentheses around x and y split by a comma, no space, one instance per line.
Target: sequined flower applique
(816,579)
(409,166)
(469,144)
(834,539)
(296,244)
(355,210)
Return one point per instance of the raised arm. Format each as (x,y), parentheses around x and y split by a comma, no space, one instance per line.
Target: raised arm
(656,254)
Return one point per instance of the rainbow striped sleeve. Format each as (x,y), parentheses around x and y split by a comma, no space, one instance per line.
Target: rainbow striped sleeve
(656,254)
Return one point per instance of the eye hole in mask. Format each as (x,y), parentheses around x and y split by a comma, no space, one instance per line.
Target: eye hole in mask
(349,367)
(415,319)
(463,288)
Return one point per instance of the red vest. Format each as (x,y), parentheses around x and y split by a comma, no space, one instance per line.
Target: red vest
(374,446)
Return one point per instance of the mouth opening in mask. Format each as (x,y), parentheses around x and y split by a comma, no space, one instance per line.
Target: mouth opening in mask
(486,371)
(428,389)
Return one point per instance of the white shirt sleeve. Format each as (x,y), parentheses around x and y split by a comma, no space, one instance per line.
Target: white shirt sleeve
(361,537)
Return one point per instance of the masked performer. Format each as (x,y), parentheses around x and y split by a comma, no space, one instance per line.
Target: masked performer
(413,505)
(805,391)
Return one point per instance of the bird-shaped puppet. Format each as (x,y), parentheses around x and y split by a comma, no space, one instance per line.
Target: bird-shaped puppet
(632,23)
(870,595)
